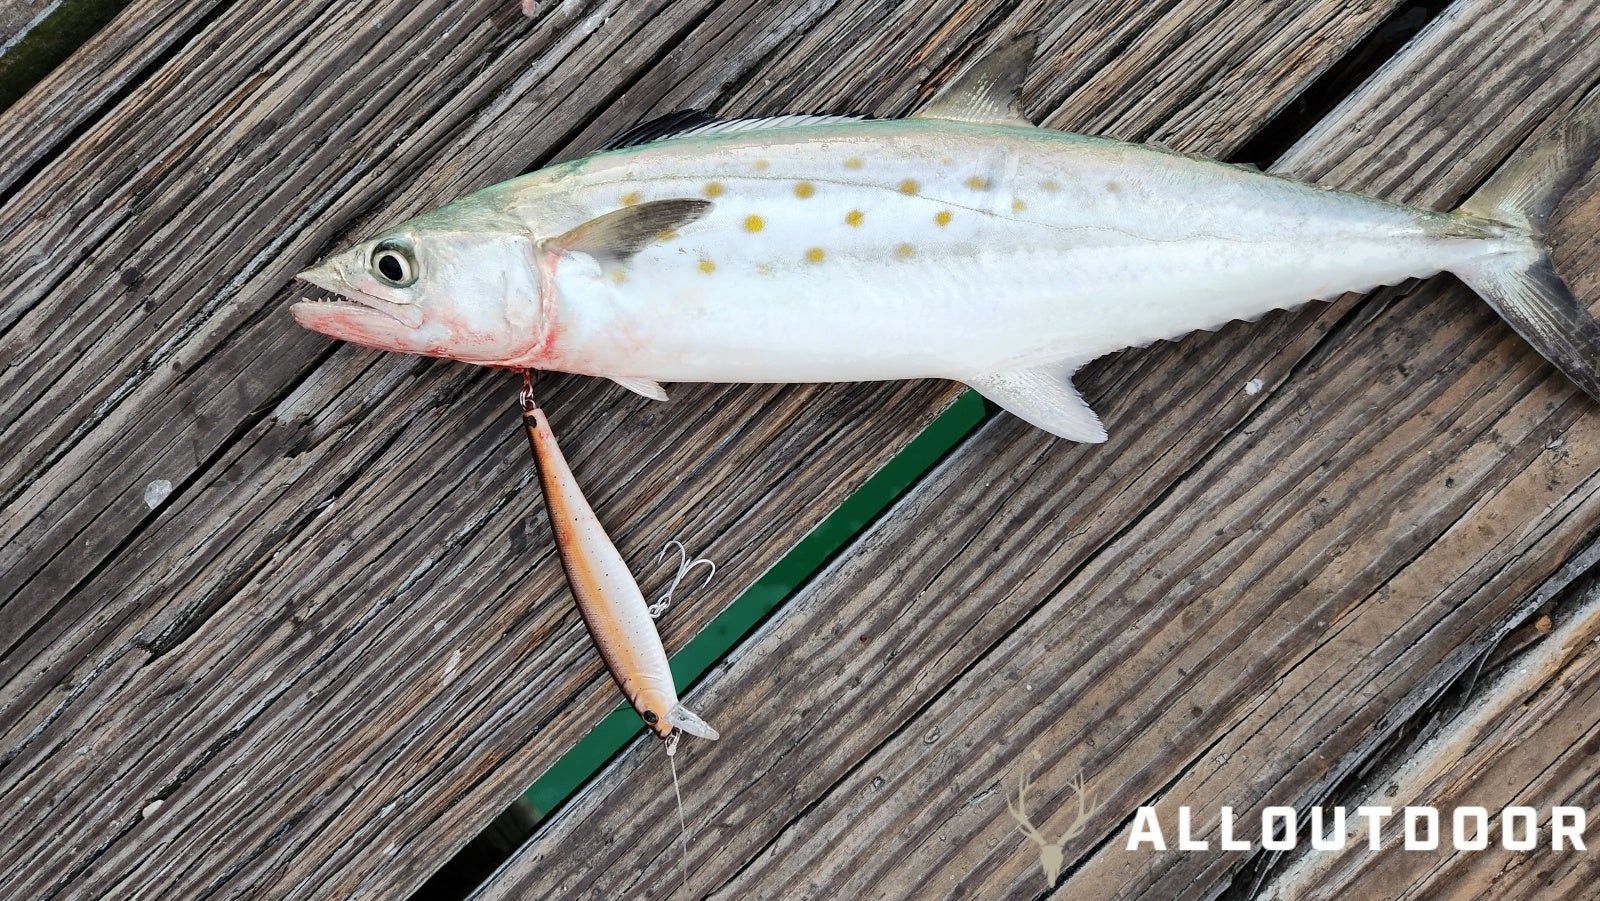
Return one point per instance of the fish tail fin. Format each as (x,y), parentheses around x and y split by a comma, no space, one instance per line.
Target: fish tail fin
(1522,284)
(1526,190)
(685,719)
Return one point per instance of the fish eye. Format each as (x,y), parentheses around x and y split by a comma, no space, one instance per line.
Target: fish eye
(392,264)
(650,717)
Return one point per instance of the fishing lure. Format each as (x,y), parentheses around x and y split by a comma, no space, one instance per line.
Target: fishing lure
(960,243)
(613,608)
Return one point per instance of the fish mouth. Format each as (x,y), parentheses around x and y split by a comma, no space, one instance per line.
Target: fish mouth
(328,297)
(321,300)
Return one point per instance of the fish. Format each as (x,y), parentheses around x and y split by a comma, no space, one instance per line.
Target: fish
(962,242)
(612,606)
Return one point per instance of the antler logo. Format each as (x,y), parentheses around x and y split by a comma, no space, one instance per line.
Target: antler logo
(1051,854)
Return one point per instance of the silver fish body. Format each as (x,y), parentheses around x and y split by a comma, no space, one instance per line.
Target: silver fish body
(961,243)
(913,248)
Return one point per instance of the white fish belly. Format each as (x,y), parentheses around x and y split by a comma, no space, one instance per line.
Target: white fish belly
(883,250)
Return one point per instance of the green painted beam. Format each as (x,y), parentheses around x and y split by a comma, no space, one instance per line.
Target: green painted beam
(32,52)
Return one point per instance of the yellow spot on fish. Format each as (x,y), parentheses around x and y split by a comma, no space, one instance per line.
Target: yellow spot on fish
(1018,206)
(903,251)
(762,165)
(618,276)
(854,162)
(630,198)
(909,187)
(753,224)
(978,184)
(855,217)
(814,255)
(1114,187)
(713,189)
(1050,184)
(763,269)
(666,234)
(804,190)
(708,267)
(943,218)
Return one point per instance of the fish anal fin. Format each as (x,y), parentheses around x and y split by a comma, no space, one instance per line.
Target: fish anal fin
(616,236)
(990,91)
(646,387)
(1044,396)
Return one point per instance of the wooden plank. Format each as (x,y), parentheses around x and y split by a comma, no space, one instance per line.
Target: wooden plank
(346,602)
(80,94)
(17,18)
(1531,739)
(1236,601)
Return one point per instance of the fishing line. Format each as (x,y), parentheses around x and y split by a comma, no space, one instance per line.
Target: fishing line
(683,826)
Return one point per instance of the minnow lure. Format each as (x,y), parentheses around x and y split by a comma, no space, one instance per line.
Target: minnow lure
(960,243)
(613,608)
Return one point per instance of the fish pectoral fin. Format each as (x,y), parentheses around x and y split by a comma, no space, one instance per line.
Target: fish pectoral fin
(990,91)
(1044,396)
(647,387)
(619,234)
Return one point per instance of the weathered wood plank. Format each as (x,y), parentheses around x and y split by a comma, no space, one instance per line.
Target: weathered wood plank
(74,96)
(346,603)
(17,18)
(319,611)
(1234,602)
(1531,739)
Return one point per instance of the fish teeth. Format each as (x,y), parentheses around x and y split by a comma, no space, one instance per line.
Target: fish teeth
(323,295)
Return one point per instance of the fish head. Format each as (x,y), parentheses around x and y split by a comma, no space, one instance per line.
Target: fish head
(460,283)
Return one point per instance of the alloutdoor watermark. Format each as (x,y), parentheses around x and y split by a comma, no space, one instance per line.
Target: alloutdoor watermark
(1413,828)
(1330,829)
(1052,854)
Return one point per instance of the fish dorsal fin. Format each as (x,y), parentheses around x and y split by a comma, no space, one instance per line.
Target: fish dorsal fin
(646,387)
(619,234)
(990,91)
(1044,396)
(690,123)
(660,128)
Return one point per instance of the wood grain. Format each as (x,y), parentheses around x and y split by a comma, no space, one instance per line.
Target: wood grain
(340,645)
(1530,739)
(17,18)
(346,607)
(1239,600)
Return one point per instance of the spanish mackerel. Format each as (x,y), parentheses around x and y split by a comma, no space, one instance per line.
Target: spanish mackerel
(961,243)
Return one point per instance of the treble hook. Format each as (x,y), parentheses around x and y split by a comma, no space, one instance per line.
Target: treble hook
(685,566)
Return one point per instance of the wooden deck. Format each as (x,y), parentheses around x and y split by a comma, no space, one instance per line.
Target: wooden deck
(281,618)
